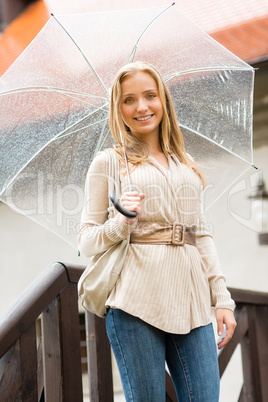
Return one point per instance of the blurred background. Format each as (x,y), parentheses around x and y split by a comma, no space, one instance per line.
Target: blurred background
(239,219)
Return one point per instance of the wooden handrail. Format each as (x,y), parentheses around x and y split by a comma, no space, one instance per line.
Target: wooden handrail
(52,371)
(32,302)
(249,296)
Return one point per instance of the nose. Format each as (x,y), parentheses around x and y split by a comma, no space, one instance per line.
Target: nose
(142,105)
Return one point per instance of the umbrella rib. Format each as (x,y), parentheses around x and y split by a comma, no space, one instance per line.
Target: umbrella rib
(215,143)
(133,51)
(53,89)
(201,69)
(74,97)
(85,58)
(61,135)
(102,137)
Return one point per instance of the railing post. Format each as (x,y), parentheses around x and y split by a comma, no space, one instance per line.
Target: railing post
(240,331)
(255,355)
(70,343)
(171,395)
(99,360)
(10,373)
(247,392)
(51,352)
(262,339)
(28,364)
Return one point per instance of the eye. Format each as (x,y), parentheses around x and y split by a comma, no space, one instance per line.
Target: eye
(151,96)
(128,100)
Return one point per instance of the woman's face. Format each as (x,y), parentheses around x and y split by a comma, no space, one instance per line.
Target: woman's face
(141,106)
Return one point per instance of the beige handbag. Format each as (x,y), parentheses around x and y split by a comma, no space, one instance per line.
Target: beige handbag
(100,276)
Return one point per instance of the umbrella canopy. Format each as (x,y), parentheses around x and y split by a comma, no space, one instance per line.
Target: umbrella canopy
(54,103)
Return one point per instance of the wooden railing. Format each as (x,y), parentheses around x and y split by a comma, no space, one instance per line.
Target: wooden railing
(43,362)
(48,367)
(252,334)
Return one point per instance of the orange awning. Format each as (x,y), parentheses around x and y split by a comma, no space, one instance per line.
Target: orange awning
(19,34)
(249,41)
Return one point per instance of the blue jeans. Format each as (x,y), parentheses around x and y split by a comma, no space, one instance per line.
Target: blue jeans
(141,351)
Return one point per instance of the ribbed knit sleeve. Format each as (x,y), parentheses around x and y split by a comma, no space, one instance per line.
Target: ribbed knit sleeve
(97,233)
(220,296)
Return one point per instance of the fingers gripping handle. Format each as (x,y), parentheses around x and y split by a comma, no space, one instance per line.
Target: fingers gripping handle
(119,207)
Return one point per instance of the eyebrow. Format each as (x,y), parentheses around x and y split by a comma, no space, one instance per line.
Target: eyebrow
(144,92)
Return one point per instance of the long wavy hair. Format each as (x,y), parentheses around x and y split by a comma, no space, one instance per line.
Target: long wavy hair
(171,138)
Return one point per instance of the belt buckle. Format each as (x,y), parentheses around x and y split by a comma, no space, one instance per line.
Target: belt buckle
(183,229)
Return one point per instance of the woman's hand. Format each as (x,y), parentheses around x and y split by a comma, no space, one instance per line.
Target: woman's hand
(225,316)
(132,201)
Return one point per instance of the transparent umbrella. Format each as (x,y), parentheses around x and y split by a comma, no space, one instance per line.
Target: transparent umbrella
(54,103)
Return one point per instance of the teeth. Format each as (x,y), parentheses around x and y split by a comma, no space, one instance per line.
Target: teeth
(143,118)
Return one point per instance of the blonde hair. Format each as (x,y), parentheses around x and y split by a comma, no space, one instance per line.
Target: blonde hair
(171,138)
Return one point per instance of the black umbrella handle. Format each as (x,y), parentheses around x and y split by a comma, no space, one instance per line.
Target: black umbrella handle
(119,207)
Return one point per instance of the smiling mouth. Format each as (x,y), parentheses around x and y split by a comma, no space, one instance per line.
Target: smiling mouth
(144,118)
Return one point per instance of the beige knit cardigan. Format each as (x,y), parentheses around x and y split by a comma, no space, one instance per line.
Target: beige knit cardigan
(168,286)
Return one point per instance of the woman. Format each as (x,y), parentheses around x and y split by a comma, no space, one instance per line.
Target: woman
(160,309)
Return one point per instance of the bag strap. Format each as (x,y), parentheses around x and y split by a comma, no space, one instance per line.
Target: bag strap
(113,179)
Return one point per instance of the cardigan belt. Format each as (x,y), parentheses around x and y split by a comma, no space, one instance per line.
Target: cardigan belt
(160,233)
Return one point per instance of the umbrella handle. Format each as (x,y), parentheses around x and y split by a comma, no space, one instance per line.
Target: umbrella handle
(119,207)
